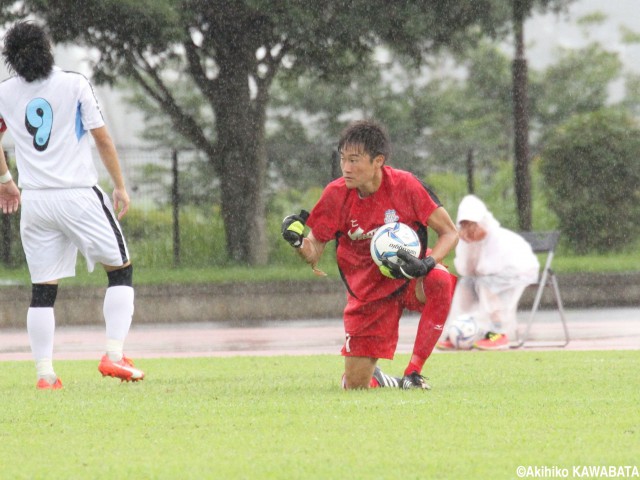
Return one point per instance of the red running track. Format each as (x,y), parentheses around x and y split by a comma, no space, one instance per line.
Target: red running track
(599,329)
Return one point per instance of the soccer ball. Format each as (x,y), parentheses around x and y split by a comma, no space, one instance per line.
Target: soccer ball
(392,237)
(463,332)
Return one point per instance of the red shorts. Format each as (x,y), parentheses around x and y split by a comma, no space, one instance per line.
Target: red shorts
(371,328)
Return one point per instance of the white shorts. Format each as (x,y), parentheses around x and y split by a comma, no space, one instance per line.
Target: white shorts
(56,223)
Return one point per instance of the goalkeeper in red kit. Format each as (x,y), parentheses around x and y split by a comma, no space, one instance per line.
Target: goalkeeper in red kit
(368,195)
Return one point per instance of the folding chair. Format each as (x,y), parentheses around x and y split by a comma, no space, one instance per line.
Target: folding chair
(545,242)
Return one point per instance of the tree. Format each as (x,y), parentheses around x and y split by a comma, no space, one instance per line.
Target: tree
(521,118)
(592,171)
(315,111)
(522,9)
(473,113)
(493,118)
(229,52)
(577,82)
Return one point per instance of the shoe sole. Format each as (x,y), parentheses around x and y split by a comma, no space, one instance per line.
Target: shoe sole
(416,387)
(51,387)
(413,386)
(502,347)
(122,378)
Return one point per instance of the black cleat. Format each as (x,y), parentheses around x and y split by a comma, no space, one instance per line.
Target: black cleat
(385,380)
(414,380)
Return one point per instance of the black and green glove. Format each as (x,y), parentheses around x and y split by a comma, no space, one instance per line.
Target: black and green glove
(412,267)
(293,228)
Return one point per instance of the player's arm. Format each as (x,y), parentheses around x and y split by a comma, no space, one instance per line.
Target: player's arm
(309,248)
(311,252)
(441,223)
(109,156)
(9,193)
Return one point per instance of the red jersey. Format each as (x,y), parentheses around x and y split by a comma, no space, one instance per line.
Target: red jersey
(342,215)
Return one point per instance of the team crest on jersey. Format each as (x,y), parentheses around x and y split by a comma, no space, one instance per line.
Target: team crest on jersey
(390,216)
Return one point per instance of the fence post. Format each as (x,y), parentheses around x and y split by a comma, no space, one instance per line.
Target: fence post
(470,172)
(175,202)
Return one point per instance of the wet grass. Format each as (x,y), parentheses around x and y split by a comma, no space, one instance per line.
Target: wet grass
(286,417)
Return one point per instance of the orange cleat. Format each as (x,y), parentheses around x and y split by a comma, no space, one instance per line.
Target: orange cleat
(493,341)
(123,369)
(44,385)
(445,345)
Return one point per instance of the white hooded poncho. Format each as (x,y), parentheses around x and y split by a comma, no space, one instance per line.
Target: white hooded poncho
(494,271)
(502,254)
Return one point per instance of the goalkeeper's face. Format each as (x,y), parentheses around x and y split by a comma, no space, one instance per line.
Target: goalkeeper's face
(471,231)
(359,170)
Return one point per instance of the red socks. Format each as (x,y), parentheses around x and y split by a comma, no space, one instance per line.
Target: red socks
(415,365)
(438,289)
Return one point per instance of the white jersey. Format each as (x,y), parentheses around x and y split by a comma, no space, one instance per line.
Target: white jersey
(49,120)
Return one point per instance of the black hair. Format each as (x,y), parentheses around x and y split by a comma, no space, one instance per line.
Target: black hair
(372,136)
(27,51)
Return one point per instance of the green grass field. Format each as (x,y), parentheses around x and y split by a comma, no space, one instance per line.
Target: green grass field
(286,418)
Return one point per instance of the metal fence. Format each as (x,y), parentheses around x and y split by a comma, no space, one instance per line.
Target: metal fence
(149,172)
(152,177)
(157,180)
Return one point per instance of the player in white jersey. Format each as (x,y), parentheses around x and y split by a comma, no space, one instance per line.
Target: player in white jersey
(50,114)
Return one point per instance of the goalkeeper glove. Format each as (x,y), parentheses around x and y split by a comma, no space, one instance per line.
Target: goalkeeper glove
(411,268)
(293,228)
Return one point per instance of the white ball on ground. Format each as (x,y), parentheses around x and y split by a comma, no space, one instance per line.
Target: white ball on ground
(463,332)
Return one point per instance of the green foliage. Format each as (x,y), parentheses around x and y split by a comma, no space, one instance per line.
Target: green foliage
(434,120)
(577,82)
(495,188)
(285,203)
(432,123)
(10,242)
(295,158)
(625,260)
(203,259)
(214,96)
(472,114)
(592,170)
(290,268)
(287,417)
(631,102)
(629,36)
(315,120)
(150,237)
(437,117)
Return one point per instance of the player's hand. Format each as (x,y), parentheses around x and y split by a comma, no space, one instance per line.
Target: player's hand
(390,270)
(412,267)
(293,228)
(9,197)
(120,202)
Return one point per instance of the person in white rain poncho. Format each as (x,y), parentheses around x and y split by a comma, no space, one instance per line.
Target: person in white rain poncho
(495,265)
